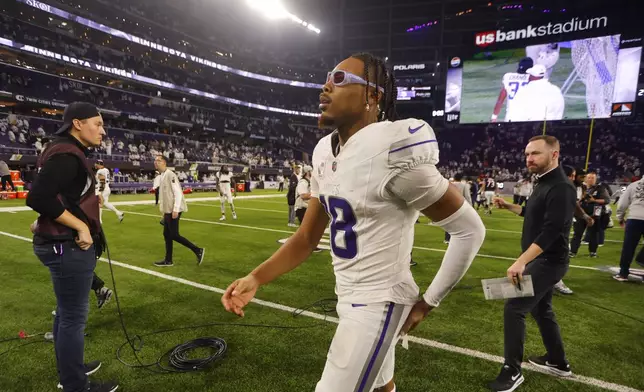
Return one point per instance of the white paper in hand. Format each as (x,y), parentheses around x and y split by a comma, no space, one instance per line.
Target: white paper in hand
(502,288)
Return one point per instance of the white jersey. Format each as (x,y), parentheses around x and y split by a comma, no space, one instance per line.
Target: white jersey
(372,232)
(224,177)
(105,173)
(512,83)
(537,101)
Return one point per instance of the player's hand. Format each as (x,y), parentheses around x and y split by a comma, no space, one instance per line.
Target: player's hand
(622,224)
(500,202)
(589,221)
(418,313)
(515,272)
(84,239)
(239,294)
(175,214)
(33,226)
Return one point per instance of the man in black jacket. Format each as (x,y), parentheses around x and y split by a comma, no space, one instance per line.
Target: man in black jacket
(544,243)
(68,237)
(291,194)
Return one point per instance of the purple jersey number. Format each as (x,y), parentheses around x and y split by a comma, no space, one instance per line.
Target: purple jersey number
(344,222)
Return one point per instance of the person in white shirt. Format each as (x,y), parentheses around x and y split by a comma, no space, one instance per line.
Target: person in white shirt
(172,205)
(371,178)
(525,190)
(539,100)
(225,178)
(303,193)
(155,185)
(103,190)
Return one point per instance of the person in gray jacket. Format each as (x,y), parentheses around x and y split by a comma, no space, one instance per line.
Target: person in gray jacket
(464,188)
(5,176)
(632,200)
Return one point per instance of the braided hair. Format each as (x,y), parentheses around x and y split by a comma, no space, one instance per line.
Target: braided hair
(375,68)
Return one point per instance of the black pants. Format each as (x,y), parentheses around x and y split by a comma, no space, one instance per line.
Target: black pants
(544,276)
(515,199)
(522,200)
(634,231)
(603,225)
(281,187)
(97,283)
(171,233)
(156,196)
(7,180)
(300,214)
(593,236)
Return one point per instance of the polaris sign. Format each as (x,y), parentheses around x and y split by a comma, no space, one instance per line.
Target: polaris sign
(409,67)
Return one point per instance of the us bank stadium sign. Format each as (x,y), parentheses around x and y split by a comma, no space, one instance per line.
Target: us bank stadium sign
(486,38)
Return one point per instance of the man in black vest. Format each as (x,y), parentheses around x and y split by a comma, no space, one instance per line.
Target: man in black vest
(544,243)
(68,233)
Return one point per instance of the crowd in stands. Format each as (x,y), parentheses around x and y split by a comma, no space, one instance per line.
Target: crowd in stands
(615,152)
(173,70)
(20,132)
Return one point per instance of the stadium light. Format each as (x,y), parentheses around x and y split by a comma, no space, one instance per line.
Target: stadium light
(274,10)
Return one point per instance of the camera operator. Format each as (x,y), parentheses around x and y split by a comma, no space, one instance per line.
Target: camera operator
(593,202)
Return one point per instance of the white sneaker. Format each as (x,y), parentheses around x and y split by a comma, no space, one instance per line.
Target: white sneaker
(223,218)
(234,216)
(562,288)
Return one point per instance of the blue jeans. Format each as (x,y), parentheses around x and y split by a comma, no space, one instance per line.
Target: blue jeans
(634,231)
(72,272)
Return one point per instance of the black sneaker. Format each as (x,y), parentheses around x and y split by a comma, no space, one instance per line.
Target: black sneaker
(200,255)
(90,368)
(107,386)
(572,255)
(593,255)
(507,381)
(103,295)
(164,263)
(413,263)
(561,370)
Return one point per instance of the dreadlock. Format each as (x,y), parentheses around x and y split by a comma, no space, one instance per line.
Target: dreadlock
(376,68)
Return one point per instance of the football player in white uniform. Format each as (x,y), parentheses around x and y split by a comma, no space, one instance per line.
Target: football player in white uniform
(225,177)
(371,178)
(489,193)
(539,100)
(510,86)
(104,191)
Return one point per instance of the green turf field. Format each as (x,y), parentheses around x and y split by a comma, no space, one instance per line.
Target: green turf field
(482,84)
(457,344)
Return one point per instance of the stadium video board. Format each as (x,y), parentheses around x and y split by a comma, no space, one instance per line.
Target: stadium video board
(562,79)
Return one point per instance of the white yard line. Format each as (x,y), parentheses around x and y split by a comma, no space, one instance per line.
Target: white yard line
(421,341)
(150,202)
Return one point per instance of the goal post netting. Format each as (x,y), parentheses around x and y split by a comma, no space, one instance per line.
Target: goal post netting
(595,61)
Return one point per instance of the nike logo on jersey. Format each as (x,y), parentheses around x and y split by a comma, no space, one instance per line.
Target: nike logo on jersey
(414,130)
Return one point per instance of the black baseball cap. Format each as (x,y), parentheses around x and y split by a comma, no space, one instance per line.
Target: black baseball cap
(77,111)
